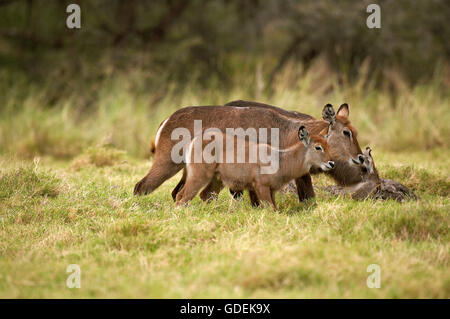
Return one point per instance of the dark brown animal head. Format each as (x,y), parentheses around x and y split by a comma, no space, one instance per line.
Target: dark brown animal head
(343,144)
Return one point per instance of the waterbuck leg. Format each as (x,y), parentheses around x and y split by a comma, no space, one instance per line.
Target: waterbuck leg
(272,196)
(236,194)
(191,188)
(265,194)
(305,188)
(158,174)
(212,190)
(300,189)
(179,185)
(253,198)
(309,189)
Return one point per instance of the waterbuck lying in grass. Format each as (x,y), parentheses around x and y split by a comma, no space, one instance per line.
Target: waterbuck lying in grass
(371,185)
(292,162)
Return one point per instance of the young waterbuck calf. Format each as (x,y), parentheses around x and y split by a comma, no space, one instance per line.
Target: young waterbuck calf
(293,162)
(372,186)
(370,180)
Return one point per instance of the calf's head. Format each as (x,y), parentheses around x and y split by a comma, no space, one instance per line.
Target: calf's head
(317,154)
(343,145)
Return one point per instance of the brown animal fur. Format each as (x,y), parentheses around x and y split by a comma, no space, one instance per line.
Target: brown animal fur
(219,117)
(256,117)
(294,162)
(345,173)
(152,147)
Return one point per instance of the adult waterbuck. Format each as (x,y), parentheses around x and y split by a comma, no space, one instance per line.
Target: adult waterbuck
(249,117)
(340,135)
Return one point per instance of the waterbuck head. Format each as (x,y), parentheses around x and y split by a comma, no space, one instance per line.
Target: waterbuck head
(343,145)
(368,169)
(317,154)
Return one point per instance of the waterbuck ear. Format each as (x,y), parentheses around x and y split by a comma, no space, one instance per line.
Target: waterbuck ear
(324,133)
(368,151)
(343,110)
(328,114)
(303,135)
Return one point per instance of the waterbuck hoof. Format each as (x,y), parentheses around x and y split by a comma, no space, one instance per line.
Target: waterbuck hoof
(139,188)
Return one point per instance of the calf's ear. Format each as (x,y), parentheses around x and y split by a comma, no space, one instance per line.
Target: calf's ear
(303,135)
(328,114)
(344,110)
(324,133)
(368,151)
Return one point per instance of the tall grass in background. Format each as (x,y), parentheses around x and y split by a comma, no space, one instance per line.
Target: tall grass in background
(124,115)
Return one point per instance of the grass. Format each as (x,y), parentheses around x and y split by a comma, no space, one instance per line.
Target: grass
(98,157)
(53,215)
(68,168)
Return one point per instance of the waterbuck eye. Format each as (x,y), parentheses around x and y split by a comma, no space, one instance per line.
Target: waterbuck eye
(319,148)
(347,133)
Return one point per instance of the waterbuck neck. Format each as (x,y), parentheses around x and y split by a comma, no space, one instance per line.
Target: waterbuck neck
(344,173)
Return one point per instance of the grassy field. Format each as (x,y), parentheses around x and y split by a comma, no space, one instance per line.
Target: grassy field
(56,213)
(68,168)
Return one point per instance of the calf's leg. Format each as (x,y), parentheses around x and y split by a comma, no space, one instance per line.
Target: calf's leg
(212,190)
(265,194)
(196,178)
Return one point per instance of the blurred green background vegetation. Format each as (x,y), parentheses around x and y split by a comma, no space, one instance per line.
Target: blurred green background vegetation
(78,109)
(133,62)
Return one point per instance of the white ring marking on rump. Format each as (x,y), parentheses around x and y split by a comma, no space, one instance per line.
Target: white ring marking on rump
(158,134)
